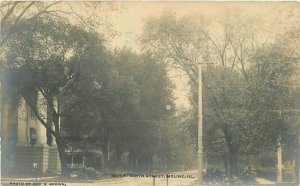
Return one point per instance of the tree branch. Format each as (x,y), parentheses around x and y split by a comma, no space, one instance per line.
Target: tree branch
(44,10)
(240,58)
(24,11)
(6,4)
(2,12)
(9,12)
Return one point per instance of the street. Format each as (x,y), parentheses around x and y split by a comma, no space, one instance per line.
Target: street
(124,181)
(190,180)
(116,181)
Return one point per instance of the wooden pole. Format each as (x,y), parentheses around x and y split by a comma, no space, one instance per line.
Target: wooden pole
(279,162)
(200,146)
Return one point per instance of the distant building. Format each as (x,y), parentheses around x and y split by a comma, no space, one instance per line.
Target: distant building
(75,158)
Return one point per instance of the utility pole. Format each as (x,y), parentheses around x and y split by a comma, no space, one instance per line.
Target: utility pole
(279,161)
(279,151)
(297,169)
(200,142)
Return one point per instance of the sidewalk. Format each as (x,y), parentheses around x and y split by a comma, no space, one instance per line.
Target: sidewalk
(29,178)
(46,179)
(264,181)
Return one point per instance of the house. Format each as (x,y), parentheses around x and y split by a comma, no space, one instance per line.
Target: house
(23,139)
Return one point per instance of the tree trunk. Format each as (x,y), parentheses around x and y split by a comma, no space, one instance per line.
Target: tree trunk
(48,132)
(225,162)
(62,155)
(132,160)
(104,148)
(233,162)
(58,138)
(118,158)
(105,157)
(149,162)
(297,169)
(297,162)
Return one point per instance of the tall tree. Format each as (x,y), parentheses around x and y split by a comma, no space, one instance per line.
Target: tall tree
(13,12)
(124,107)
(44,57)
(184,46)
(229,95)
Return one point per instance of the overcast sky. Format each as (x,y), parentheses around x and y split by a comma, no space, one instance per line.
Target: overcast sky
(130,19)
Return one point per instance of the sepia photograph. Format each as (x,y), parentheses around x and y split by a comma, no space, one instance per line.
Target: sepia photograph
(150,93)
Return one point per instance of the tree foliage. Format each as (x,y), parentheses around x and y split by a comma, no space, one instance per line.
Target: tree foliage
(44,58)
(246,82)
(125,109)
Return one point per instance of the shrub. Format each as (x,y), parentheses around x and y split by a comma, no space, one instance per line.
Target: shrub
(89,173)
(214,175)
(232,181)
(247,175)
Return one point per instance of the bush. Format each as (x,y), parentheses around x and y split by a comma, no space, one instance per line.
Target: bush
(87,173)
(214,175)
(247,175)
(232,181)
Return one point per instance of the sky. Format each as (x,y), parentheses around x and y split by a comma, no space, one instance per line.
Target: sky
(129,21)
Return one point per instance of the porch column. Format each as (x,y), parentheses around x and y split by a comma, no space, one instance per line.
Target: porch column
(40,128)
(22,123)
